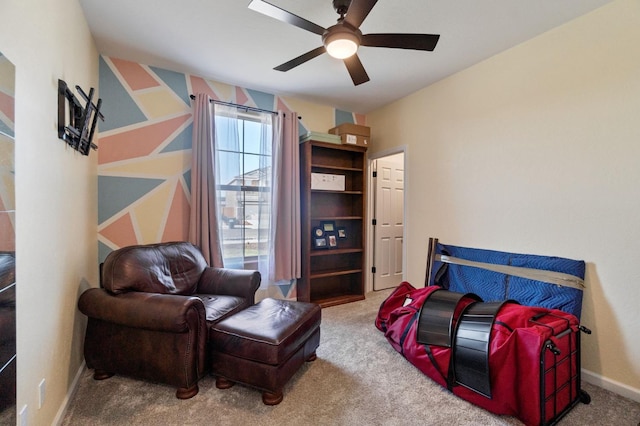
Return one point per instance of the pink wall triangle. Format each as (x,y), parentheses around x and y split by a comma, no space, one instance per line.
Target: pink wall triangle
(7,106)
(282,106)
(198,85)
(241,97)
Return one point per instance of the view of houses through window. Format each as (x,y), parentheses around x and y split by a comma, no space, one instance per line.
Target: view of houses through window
(243,151)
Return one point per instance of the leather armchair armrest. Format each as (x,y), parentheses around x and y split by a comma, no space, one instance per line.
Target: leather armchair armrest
(151,311)
(231,282)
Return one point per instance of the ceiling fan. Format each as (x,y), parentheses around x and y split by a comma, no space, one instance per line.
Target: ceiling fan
(343,39)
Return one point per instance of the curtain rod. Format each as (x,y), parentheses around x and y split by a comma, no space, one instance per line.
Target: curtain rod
(248,108)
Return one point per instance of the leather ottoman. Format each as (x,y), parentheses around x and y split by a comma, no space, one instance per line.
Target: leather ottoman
(264,345)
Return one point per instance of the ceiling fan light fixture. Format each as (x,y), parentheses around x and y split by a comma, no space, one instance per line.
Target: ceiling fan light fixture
(342,48)
(341,44)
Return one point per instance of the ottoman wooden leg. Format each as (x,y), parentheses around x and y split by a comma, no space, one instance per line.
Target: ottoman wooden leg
(312,357)
(272,398)
(222,383)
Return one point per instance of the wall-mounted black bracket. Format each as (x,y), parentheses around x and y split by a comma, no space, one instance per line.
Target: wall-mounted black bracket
(79,129)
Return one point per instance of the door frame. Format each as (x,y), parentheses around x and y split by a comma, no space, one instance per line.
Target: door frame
(371,208)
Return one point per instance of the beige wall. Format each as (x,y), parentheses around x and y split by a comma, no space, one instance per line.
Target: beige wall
(537,150)
(56,203)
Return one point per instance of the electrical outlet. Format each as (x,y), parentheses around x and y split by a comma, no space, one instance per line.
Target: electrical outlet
(41,388)
(22,417)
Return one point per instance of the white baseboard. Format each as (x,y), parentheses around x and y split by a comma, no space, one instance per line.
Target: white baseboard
(611,385)
(72,390)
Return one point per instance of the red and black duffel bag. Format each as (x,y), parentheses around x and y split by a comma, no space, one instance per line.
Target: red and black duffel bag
(510,359)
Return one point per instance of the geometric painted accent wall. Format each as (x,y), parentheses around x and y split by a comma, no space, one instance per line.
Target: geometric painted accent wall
(144,147)
(143,156)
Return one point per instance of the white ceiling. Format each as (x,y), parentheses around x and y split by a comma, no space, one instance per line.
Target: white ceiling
(225,41)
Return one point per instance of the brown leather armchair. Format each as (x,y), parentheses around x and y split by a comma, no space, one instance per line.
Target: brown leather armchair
(151,317)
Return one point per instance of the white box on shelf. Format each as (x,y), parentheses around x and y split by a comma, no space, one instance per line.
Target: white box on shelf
(327,182)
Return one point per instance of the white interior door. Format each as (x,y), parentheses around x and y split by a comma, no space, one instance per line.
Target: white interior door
(389,219)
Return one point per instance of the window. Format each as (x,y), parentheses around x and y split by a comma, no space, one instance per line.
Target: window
(244,164)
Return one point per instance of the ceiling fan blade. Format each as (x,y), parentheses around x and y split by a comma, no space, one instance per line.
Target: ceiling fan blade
(284,16)
(402,41)
(356,70)
(301,59)
(358,11)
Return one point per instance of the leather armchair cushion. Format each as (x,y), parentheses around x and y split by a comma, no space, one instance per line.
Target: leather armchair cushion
(218,307)
(166,268)
(268,332)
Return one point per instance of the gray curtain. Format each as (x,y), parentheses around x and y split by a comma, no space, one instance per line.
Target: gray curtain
(285,229)
(203,221)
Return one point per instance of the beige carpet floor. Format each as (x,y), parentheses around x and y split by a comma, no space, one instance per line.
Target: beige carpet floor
(358,379)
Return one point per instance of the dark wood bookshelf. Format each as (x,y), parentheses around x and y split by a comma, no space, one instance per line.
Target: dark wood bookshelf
(333,275)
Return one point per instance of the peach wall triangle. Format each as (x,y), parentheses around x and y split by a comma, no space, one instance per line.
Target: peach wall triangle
(120,232)
(136,77)
(177,227)
(138,142)
(8,241)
